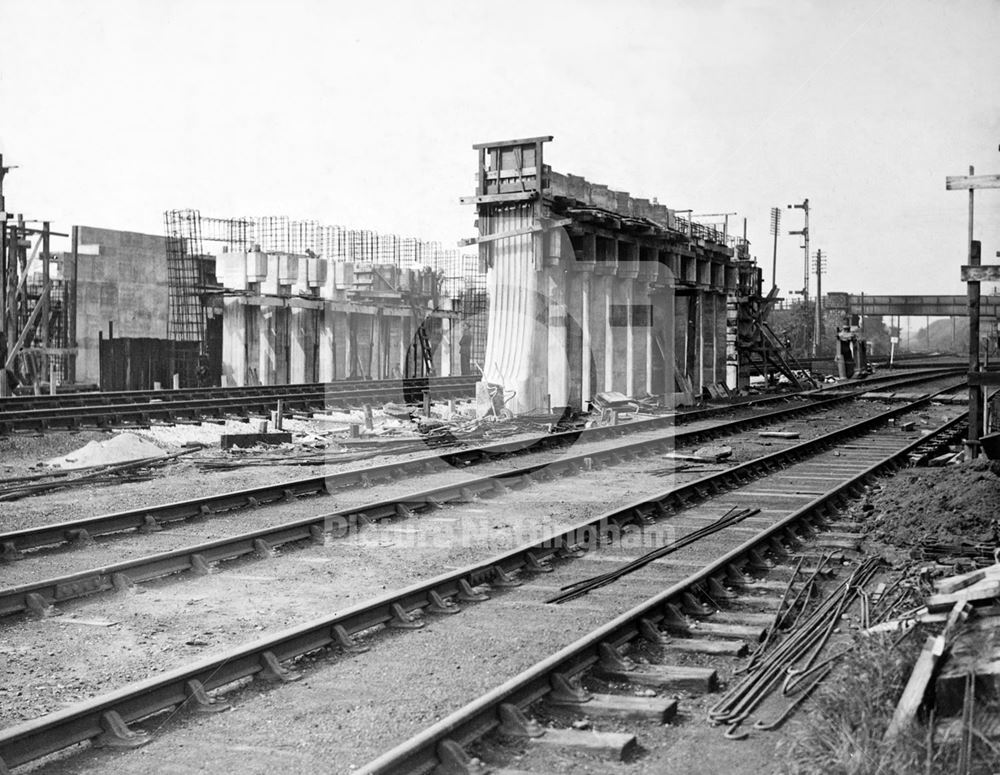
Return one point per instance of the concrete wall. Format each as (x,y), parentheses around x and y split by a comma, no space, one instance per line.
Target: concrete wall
(121,277)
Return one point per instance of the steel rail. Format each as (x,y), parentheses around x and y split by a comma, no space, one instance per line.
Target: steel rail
(158,409)
(186,685)
(423,752)
(38,596)
(14,543)
(165,411)
(99,398)
(199,558)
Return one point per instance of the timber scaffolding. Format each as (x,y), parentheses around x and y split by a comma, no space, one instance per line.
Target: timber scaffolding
(37,303)
(595,290)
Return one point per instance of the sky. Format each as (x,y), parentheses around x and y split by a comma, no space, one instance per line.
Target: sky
(363,114)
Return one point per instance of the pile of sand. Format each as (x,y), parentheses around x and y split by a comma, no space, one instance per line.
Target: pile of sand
(122,448)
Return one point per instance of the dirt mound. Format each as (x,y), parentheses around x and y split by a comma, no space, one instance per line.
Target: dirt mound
(118,449)
(944,505)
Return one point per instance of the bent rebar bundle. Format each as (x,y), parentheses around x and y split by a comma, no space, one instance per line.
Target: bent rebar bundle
(793,664)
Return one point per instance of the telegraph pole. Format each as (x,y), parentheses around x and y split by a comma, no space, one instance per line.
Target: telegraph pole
(775,228)
(805,237)
(820,267)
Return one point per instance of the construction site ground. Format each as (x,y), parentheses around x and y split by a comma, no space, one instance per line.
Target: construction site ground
(103,643)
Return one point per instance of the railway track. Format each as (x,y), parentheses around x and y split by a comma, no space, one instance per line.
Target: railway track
(13,544)
(39,597)
(141,408)
(124,409)
(108,716)
(666,624)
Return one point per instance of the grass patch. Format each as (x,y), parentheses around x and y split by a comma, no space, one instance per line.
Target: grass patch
(849,713)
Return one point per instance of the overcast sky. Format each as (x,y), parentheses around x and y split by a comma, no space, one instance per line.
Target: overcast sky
(363,114)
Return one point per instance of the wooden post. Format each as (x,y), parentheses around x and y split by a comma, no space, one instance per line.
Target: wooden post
(70,278)
(975,391)
(43,322)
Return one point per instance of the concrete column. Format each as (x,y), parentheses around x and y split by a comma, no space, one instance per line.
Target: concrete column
(377,356)
(558,373)
(586,354)
(351,345)
(266,351)
(715,338)
(700,341)
(629,338)
(598,332)
(301,345)
(327,345)
(445,348)
(234,345)
(609,337)
(642,366)
(282,344)
(574,360)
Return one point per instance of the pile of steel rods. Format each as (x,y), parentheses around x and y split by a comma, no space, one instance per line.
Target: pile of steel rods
(580,588)
(793,664)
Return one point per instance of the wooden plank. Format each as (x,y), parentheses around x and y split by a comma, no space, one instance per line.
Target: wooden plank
(952,584)
(989,273)
(715,647)
(536,229)
(923,672)
(622,706)
(667,677)
(617,746)
(519,141)
(983,591)
(913,693)
(968,182)
(730,630)
(514,196)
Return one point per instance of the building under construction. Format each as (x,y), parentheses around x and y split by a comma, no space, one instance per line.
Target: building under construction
(576,289)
